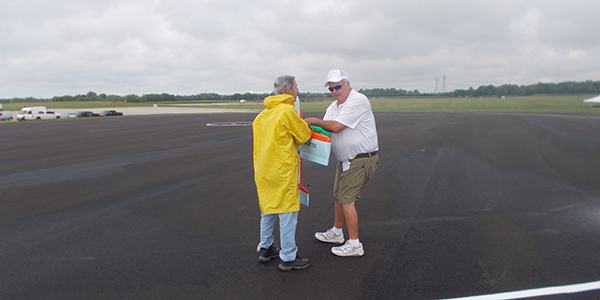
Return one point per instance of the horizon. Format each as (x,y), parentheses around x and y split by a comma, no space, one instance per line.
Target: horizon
(325,93)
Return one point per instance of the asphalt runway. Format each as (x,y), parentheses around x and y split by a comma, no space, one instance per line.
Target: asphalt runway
(165,207)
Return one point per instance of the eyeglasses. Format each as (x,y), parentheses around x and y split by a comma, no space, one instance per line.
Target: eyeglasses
(337,87)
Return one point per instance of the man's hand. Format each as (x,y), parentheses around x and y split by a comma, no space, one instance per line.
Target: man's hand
(331,126)
(312,121)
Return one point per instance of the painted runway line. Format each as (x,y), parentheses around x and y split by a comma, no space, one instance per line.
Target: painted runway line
(557,290)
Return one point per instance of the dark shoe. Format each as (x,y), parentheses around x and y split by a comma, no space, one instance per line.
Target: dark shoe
(298,264)
(267,253)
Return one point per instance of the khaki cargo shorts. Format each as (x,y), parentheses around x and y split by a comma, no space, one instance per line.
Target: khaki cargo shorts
(348,185)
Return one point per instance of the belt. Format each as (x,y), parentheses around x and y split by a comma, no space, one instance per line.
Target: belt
(363,155)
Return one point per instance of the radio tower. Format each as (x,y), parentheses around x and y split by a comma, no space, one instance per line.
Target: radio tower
(444,85)
(437,86)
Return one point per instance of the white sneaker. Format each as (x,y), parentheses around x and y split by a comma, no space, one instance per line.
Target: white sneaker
(348,249)
(330,237)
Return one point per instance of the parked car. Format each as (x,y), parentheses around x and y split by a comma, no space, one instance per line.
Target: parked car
(70,115)
(80,114)
(5,115)
(110,113)
(36,113)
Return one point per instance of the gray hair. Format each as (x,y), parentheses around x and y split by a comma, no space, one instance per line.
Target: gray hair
(283,83)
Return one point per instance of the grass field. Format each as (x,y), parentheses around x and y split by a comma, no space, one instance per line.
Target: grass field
(536,103)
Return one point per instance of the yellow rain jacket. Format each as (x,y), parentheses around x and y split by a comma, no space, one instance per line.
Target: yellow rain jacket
(278,131)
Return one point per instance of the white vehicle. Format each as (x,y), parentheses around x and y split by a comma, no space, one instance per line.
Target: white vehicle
(5,115)
(593,100)
(36,113)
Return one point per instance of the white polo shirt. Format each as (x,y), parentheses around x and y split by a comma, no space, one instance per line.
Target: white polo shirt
(360,134)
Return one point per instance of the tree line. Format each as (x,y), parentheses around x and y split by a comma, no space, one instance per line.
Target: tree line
(569,87)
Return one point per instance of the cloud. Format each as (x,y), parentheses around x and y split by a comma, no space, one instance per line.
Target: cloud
(227,46)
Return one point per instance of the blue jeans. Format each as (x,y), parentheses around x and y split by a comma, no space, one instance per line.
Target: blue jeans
(287,233)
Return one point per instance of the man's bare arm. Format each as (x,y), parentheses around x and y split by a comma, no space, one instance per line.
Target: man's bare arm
(331,126)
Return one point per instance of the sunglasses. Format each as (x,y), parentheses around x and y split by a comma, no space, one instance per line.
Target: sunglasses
(337,87)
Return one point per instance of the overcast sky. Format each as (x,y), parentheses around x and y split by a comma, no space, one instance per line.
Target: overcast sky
(185,47)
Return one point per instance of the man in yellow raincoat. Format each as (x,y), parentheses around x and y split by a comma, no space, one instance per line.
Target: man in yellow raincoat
(278,131)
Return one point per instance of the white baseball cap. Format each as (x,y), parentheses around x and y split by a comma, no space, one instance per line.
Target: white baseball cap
(336,76)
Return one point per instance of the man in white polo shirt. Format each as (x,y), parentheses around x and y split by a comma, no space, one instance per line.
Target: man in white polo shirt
(354,143)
